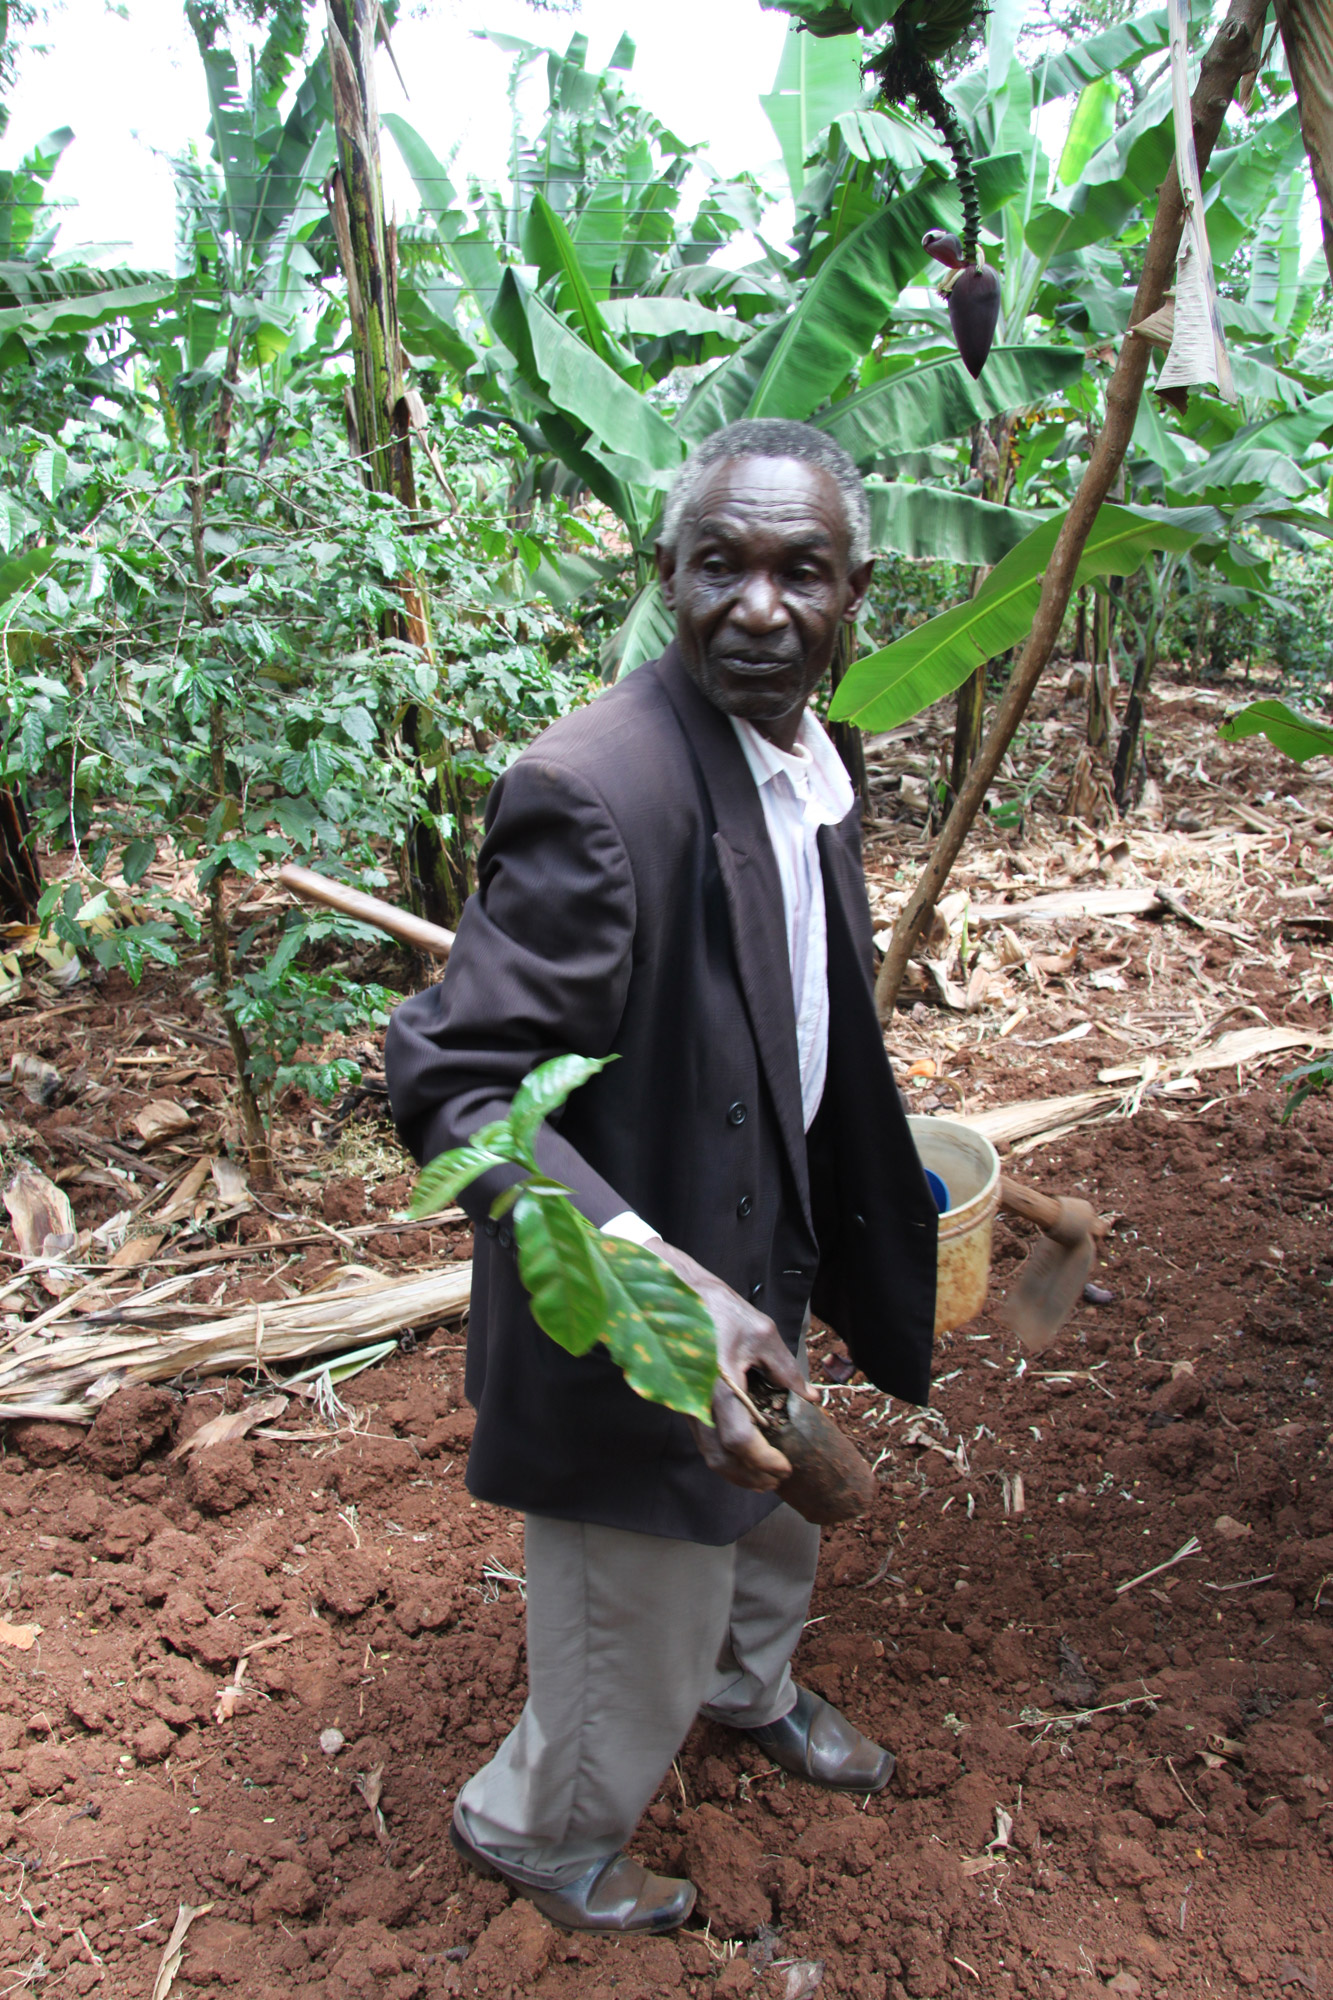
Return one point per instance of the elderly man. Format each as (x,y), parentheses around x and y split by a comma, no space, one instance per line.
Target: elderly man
(672,876)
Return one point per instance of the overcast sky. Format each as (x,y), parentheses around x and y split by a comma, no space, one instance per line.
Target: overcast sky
(130,84)
(128,80)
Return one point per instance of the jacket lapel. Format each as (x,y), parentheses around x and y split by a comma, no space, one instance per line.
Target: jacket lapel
(754,902)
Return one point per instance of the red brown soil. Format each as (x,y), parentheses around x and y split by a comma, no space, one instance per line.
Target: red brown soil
(1131,1854)
(1176,1841)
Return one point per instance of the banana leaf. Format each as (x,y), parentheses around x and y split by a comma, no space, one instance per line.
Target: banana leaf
(1247,174)
(645,632)
(232,133)
(1275,258)
(939,399)
(725,396)
(553,360)
(938,523)
(830,17)
(564,575)
(262,164)
(805,358)
(1259,451)
(548,245)
(649,235)
(661,319)
(1092,124)
(886,134)
(598,232)
(899,681)
(1114,48)
(1296,735)
(816,81)
(22,192)
(469,251)
(426,331)
(86,310)
(1117,179)
(573,445)
(435,190)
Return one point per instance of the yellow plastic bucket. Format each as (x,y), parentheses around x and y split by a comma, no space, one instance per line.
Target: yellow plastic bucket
(970,1168)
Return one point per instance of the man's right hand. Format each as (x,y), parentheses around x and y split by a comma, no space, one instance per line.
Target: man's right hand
(746,1339)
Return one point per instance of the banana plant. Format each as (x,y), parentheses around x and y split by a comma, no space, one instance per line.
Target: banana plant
(245,221)
(888,687)
(48,302)
(1295,734)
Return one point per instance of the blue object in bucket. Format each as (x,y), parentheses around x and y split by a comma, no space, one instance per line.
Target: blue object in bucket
(940,1190)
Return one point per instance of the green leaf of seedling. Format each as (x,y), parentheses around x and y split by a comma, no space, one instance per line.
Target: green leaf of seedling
(323,1081)
(137,859)
(543,1091)
(659,1331)
(563,1271)
(440,1183)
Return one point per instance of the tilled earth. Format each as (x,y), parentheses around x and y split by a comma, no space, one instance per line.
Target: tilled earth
(1156,1762)
(1098,1788)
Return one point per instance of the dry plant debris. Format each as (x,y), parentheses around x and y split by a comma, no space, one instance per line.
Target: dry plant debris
(230,1634)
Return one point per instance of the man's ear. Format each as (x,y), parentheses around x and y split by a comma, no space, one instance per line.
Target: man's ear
(858,583)
(666,572)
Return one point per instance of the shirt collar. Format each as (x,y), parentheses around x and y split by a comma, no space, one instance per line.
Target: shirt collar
(813,770)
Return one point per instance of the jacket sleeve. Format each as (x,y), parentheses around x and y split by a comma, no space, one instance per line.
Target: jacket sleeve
(539,968)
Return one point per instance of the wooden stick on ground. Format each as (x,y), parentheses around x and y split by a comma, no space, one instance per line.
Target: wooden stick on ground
(1234,50)
(313,887)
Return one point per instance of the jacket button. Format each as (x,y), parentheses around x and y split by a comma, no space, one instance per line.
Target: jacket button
(736,1113)
(491,1226)
(744,1206)
(860,1221)
(756,1289)
(505,1236)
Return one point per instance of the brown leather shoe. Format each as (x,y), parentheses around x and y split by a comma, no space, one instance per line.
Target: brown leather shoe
(813,1741)
(614,1896)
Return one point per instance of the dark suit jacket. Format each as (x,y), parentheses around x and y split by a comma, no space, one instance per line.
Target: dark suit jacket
(628,902)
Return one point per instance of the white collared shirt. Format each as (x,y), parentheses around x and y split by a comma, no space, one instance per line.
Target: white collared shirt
(800,790)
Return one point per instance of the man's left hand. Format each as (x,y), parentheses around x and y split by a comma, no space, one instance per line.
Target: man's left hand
(746,1338)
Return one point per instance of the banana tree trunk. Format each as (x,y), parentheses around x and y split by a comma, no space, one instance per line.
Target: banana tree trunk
(1307,37)
(847,739)
(383,412)
(991,457)
(1233,50)
(1102,621)
(968,727)
(1099,707)
(1131,730)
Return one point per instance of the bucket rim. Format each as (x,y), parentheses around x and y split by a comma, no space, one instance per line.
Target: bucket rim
(965,1215)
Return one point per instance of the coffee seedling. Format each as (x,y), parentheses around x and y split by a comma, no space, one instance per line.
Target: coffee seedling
(583,1286)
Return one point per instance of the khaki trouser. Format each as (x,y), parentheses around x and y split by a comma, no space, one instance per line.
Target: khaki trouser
(629,1638)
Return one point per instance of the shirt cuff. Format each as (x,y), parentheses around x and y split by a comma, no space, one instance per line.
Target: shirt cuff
(631,1226)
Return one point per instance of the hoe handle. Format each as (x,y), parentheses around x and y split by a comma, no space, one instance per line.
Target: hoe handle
(1033,1206)
(1068,1221)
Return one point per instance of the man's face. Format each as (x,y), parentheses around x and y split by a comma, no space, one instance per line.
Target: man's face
(759,584)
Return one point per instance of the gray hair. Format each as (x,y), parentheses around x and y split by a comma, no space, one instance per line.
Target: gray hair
(772,437)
